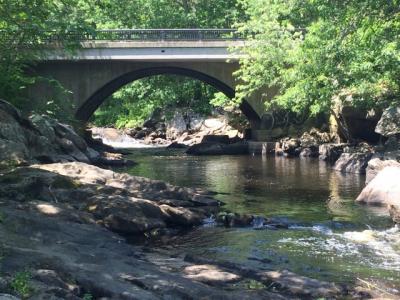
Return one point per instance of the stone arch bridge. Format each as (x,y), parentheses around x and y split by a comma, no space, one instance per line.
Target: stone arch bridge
(109,59)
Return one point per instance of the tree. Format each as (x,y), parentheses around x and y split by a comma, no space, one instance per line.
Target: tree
(316,51)
(24,26)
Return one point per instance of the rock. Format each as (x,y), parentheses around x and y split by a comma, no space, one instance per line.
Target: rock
(214,123)
(8,297)
(206,149)
(69,259)
(233,219)
(330,152)
(39,138)
(389,123)
(233,133)
(195,121)
(301,285)
(394,211)
(176,126)
(240,148)
(13,153)
(361,123)
(353,162)
(292,285)
(309,152)
(210,274)
(314,138)
(383,189)
(291,147)
(392,144)
(376,165)
(222,139)
(278,149)
(176,145)
(122,203)
(218,149)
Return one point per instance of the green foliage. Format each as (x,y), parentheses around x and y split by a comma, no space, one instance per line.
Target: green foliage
(161,13)
(26,24)
(133,104)
(87,296)
(316,50)
(20,284)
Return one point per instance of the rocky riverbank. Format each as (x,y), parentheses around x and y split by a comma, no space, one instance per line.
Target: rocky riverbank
(67,228)
(181,127)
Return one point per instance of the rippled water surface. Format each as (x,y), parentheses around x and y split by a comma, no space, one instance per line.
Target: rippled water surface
(330,236)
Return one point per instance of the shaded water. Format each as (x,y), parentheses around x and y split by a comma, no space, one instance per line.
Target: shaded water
(331,237)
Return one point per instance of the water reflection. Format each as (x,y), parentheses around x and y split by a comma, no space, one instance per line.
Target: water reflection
(317,200)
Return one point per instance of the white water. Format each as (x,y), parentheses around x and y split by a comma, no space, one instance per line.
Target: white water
(383,246)
(121,141)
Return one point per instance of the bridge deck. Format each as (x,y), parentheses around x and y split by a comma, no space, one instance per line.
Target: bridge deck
(150,51)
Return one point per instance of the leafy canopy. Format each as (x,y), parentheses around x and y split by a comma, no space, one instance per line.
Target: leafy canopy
(318,50)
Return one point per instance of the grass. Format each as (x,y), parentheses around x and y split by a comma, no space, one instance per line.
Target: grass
(20,284)
(87,296)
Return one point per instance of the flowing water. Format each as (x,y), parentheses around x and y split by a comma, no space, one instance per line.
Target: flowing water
(330,237)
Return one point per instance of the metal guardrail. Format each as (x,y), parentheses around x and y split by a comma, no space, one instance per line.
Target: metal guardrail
(147,35)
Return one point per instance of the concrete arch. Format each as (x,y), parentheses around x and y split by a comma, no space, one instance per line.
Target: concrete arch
(89,106)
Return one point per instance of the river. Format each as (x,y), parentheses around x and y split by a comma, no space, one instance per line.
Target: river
(330,237)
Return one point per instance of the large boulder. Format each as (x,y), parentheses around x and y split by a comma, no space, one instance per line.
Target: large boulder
(206,149)
(176,125)
(309,152)
(291,147)
(330,152)
(210,138)
(376,165)
(383,189)
(389,123)
(353,162)
(120,202)
(39,139)
(314,138)
(219,149)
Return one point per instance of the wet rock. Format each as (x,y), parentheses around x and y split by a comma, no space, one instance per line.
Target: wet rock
(206,149)
(330,152)
(233,219)
(291,147)
(218,149)
(239,148)
(353,162)
(389,123)
(218,139)
(176,145)
(309,152)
